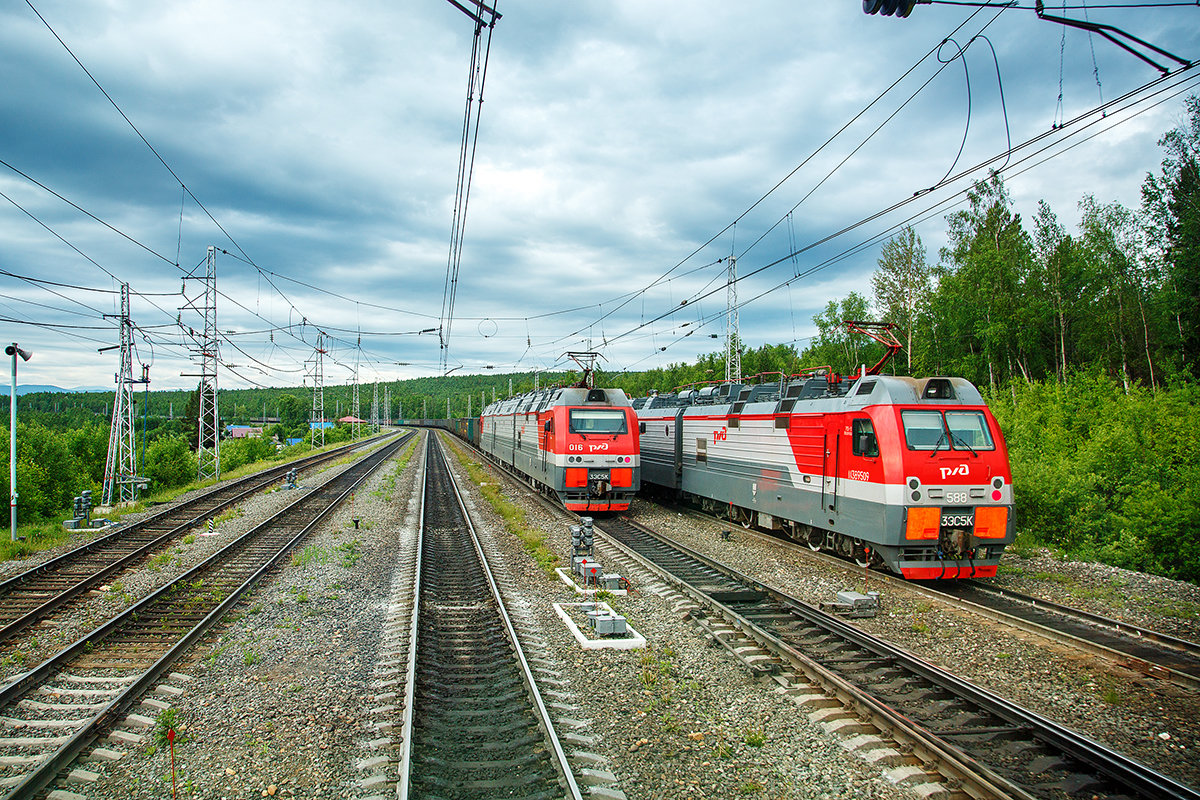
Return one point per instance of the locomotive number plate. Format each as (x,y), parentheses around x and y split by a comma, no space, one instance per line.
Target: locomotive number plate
(597,474)
(958,520)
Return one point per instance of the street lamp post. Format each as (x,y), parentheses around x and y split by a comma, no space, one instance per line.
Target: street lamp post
(13,351)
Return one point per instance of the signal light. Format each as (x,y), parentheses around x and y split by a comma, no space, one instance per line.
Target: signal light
(899,8)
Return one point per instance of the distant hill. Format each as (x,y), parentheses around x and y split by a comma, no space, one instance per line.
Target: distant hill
(23,389)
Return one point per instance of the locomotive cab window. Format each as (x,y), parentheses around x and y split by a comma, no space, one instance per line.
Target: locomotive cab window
(596,420)
(865,443)
(969,429)
(925,430)
(958,430)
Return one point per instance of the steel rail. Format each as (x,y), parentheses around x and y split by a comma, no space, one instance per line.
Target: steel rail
(252,483)
(560,755)
(1113,631)
(1123,770)
(48,769)
(410,673)
(435,449)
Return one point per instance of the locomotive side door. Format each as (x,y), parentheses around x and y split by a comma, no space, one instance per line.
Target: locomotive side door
(513,458)
(831,466)
(678,448)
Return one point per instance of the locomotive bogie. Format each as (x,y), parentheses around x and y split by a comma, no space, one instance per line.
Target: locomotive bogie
(887,471)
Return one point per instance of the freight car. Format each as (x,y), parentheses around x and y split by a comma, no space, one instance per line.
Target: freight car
(907,473)
(579,444)
(466,428)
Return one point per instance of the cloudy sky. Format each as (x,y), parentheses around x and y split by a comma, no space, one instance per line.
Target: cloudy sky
(625,150)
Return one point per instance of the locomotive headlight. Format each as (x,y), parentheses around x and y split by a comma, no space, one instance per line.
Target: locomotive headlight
(913,483)
(916,496)
(997,482)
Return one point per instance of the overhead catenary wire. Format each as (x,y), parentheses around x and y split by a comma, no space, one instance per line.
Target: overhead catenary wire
(466,172)
(1095,115)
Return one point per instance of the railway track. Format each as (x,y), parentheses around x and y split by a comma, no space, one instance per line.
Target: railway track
(982,744)
(474,724)
(1153,653)
(1149,652)
(50,587)
(51,714)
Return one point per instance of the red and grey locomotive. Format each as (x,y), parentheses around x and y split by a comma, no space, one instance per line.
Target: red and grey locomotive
(578,443)
(904,472)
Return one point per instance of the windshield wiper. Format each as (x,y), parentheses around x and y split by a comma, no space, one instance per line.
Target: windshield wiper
(938,444)
(956,440)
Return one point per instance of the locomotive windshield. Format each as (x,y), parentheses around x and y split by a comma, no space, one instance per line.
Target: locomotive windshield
(969,429)
(596,420)
(958,430)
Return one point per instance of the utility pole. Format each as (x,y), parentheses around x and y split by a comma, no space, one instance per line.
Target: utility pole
(733,348)
(387,405)
(120,467)
(316,375)
(14,351)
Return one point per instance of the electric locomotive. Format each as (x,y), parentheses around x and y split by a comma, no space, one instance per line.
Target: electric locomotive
(578,443)
(907,473)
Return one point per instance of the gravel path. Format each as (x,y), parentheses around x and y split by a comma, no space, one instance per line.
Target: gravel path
(283,700)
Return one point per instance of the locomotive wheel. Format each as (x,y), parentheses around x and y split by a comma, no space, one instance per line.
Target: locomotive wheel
(843,546)
(815,539)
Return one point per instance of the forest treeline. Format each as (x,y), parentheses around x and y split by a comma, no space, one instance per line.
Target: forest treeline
(1084,343)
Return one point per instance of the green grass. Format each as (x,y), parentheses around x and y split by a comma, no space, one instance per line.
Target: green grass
(34,538)
(168,720)
(515,521)
(228,514)
(350,551)
(1053,577)
(312,554)
(754,737)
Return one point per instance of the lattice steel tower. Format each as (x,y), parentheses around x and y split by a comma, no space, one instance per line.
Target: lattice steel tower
(733,345)
(121,466)
(375,409)
(205,355)
(316,375)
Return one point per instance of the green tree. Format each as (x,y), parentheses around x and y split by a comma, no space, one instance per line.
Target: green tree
(1172,204)
(292,411)
(986,331)
(170,462)
(1111,243)
(902,285)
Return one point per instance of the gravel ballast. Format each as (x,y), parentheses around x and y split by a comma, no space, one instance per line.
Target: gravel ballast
(284,700)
